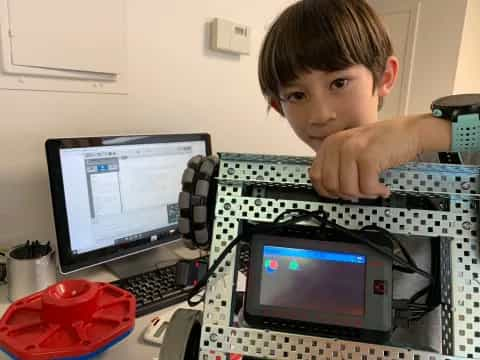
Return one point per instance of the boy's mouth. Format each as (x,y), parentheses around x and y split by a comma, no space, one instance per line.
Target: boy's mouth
(316,138)
(315,142)
(324,134)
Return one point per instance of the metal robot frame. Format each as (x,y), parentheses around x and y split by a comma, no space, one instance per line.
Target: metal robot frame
(460,314)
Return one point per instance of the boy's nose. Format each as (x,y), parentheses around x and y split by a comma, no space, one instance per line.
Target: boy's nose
(320,115)
(317,121)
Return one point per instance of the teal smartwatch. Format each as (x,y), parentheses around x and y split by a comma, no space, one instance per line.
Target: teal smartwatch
(463,111)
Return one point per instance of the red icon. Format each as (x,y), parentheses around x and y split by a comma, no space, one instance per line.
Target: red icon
(274,264)
(379,287)
(271,265)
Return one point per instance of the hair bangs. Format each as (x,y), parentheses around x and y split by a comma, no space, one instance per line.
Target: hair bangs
(326,35)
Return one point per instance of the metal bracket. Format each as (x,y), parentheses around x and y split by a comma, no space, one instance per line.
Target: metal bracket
(259,187)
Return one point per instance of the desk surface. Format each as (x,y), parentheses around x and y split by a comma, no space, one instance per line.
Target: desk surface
(133,346)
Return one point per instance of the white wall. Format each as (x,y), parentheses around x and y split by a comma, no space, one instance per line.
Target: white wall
(175,85)
(467,79)
(436,52)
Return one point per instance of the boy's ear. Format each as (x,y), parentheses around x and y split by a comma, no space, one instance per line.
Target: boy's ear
(389,76)
(276,105)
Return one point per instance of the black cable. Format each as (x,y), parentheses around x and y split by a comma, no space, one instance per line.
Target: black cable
(432,291)
(381,250)
(434,295)
(324,220)
(419,294)
(203,281)
(303,215)
(402,269)
(394,240)
(409,310)
(258,228)
(413,311)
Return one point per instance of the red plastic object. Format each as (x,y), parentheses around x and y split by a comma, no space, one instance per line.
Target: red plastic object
(73,318)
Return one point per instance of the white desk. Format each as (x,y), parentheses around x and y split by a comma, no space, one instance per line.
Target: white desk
(133,347)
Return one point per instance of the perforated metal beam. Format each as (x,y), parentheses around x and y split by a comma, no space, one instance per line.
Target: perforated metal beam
(456,217)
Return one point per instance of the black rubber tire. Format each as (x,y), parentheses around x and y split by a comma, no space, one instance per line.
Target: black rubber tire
(197,201)
(182,337)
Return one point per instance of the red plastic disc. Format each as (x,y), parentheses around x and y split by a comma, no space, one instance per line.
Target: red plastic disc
(72,318)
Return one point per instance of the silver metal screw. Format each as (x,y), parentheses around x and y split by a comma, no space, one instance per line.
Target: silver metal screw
(213,337)
(466,225)
(465,185)
(258,202)
(227,206)
(388,213)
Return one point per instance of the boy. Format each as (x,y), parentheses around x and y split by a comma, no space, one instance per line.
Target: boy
(326,65)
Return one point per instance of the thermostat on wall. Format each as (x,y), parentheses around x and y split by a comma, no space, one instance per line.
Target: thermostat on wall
(229,36)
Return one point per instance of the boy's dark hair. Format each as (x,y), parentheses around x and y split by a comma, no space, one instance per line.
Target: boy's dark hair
(325,35)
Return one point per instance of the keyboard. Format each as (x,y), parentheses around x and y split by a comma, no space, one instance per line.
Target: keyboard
(158,289)
(154,290)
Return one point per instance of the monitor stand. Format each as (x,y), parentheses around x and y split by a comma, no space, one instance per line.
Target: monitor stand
(156,258)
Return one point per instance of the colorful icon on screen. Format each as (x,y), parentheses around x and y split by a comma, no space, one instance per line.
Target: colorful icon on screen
(293,265)
(271,265)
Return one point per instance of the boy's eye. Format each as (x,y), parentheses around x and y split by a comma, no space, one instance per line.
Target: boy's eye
(338,84)
(294,96)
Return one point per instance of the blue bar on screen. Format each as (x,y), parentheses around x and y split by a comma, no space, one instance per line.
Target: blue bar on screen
(314,254)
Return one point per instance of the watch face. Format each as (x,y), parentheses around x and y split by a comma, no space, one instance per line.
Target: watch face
(459,100)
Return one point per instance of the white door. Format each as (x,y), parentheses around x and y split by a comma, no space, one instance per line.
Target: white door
(401,20)
(426,36)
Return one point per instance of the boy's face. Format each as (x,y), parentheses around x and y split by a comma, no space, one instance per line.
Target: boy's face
(319,103)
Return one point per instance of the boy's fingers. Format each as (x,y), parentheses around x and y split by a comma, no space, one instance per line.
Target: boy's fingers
(316,177)
(330,171)
(324,192)
(348,176)
(369,183)
(320,189)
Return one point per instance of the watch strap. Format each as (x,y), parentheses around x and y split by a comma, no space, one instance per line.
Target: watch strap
(466,133)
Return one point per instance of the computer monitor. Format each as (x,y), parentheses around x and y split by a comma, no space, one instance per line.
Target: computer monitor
(117,196)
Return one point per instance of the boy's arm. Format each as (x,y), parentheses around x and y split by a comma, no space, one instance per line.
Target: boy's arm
(435,134)
(348,163)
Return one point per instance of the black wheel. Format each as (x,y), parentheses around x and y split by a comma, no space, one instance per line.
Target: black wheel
(182,337)
(197,200)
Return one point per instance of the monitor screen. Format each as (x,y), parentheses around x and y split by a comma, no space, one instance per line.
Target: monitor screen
(118,195)
(313,280)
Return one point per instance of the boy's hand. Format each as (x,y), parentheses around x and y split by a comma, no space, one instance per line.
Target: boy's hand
(348,163)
